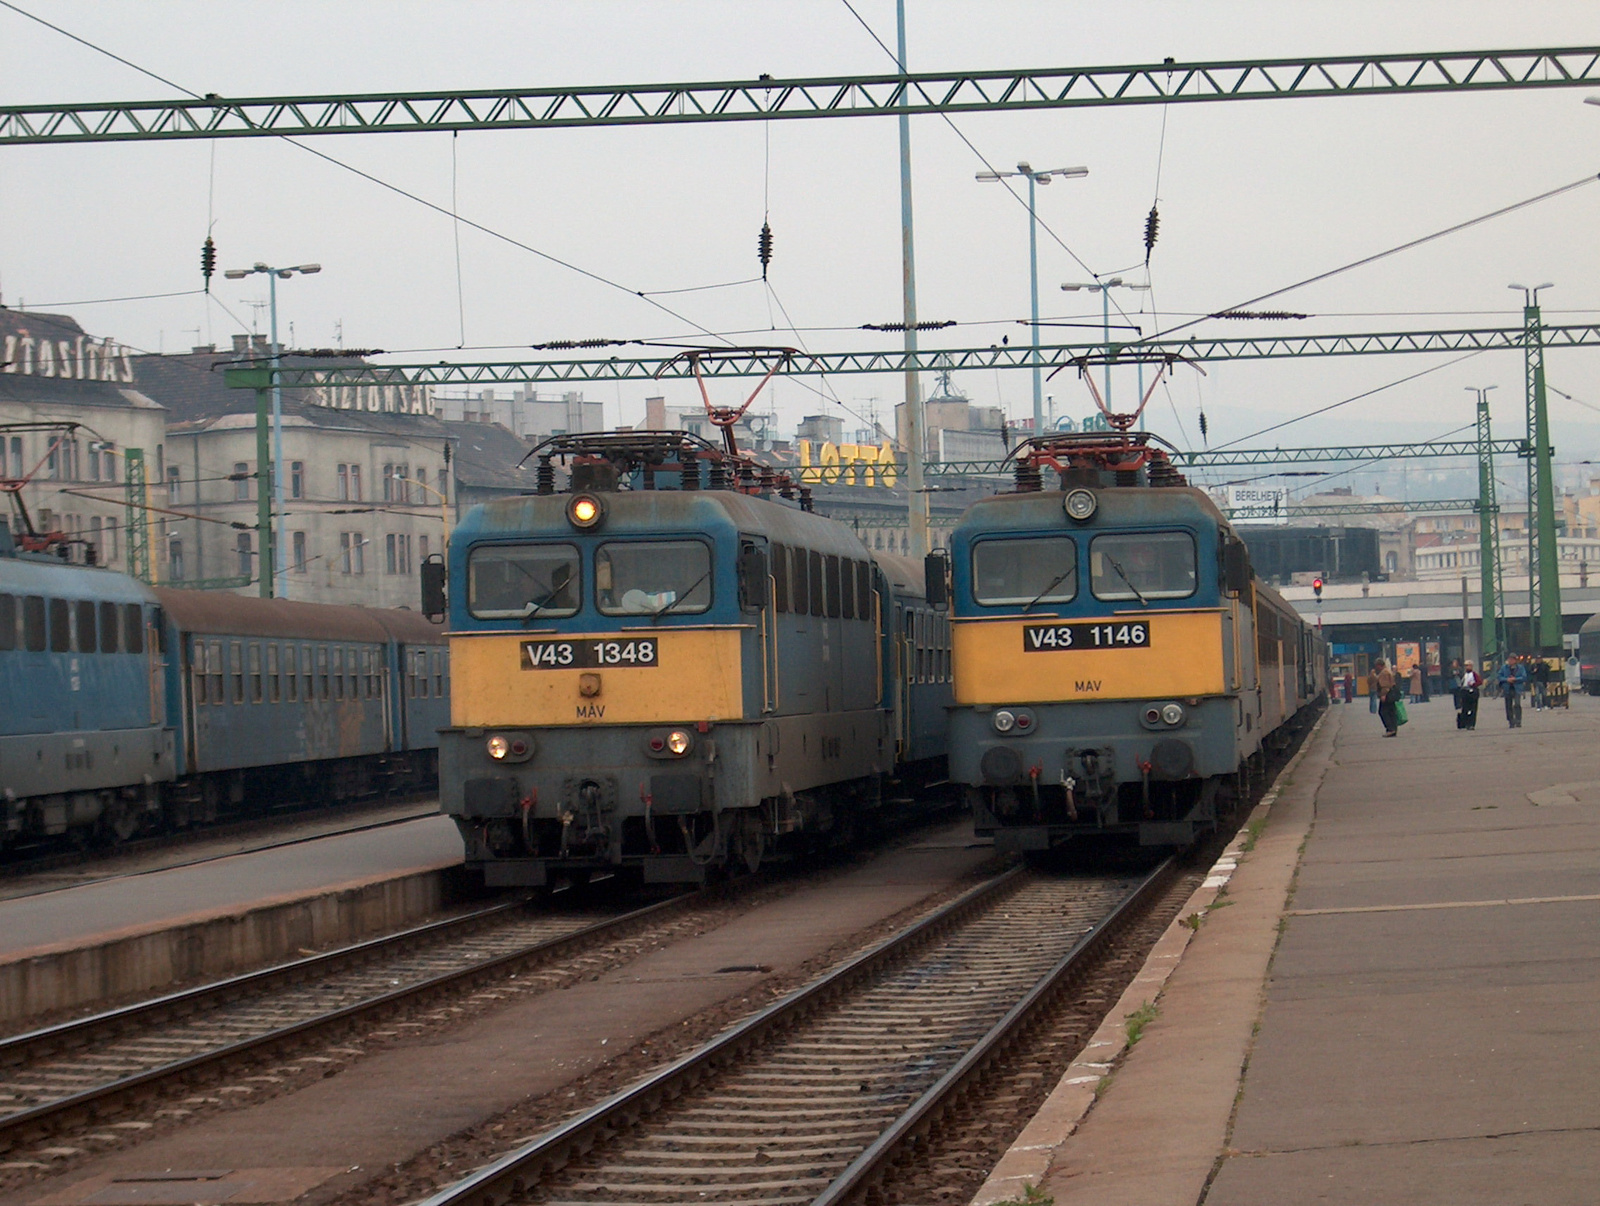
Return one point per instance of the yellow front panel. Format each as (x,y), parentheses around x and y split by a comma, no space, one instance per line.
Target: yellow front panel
(696,678)
(1184,658)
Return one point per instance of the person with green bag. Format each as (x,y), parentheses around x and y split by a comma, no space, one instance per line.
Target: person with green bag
(1389,703)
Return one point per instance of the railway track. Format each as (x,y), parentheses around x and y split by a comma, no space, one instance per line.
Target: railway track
(813,1099)
(87,1070)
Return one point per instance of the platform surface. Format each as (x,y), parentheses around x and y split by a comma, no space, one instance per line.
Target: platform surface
(89,913)
(1423,1030)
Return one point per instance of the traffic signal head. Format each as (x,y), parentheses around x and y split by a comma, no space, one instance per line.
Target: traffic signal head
(1316,585)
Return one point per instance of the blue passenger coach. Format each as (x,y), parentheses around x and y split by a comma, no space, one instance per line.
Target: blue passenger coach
(126,708)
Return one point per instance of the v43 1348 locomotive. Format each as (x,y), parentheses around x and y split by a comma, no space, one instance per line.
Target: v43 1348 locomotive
(674,668)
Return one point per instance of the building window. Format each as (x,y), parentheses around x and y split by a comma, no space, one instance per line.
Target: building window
(297,479)
(351,556)
(398,551)
(297,542)
(246,557)
(108,463)
(422,482)
(175,560)
(241,481)
(422,549)
(355,483)
(344,483)
(174,484)
(94,536)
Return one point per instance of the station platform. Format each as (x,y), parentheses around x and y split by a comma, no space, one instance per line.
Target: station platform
(101,941)
(1386,994)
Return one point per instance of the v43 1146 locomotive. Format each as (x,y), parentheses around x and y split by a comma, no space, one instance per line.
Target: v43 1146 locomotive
(1117,665)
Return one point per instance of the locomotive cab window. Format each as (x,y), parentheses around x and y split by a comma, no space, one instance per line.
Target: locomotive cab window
(652,577)
(108,627)
(1022,572)
(8,622)
(60,626)
(33,626)
(518,581)
(1142,566)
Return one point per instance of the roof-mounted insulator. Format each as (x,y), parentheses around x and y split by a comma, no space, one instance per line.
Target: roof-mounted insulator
(1152,225)
(1204,432)
(764,248)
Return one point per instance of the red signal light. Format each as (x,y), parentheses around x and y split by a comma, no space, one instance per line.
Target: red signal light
(1316,585)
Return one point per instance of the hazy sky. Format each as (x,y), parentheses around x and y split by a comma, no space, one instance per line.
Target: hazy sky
(1253,195)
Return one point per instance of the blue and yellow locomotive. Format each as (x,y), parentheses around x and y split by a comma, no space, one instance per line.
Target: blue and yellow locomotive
(1116,664)
(674,668)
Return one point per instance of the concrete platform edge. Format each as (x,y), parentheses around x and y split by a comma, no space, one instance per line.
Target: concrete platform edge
(1033,1155)
(125,965)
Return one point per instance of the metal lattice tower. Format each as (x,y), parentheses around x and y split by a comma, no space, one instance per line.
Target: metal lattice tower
(1489,579)
(1544,565)
(137,495)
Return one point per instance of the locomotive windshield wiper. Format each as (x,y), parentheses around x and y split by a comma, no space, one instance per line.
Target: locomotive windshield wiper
(534,606)
(1054,582)
(676,599)
(1127,581)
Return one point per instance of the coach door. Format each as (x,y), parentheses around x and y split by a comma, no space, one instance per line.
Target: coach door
(756,592)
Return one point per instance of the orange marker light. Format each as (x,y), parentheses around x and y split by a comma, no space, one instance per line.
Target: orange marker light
(585,511)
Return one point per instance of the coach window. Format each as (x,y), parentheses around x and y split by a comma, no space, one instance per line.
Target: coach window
(33,626)
(322,672)
(819,590)
(236,670)
(197,669)
(651,577)
(108,627)
(519,581)
(60,626)
(305,674)
(1142,566)
(336,672)
(87,641)
(255,673)
(800,581)
(214,670)
(291,675)
(132,628)
(352,674)
(8,622)
(1024,572)
(274,679)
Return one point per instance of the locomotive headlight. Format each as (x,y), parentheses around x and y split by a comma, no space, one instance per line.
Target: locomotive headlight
(1172,714)
(1003,721)
(1081,504)
(585,511)
(497,747)
(678,742)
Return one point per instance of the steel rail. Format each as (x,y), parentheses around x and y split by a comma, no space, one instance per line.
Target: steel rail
(73,1035)
(902,1136)
(521,1168)
(766,99)
(759,362)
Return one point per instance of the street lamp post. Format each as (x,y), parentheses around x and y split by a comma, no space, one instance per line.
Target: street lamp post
(444,501)
(1034,178)
(1103,288)
(271,564)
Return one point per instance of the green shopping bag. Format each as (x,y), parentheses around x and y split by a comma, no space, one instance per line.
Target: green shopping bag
(1400,716)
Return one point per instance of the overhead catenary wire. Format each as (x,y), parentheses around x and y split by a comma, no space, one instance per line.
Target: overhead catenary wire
(379,181)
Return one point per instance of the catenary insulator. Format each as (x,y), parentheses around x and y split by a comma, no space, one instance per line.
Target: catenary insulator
(764,248)
(208,261)
(1152,225)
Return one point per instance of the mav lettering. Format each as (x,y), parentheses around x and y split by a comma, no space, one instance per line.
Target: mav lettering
(591,711)
(1087,684)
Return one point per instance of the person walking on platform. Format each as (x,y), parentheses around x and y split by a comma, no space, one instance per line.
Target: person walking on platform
(1540,678)
(1513,678)
(1388,691)
(1455,685)
(1467,698)
(1416,683)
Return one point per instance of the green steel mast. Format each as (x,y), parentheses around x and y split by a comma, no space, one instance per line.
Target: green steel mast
(1544,564)
(1488,534)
